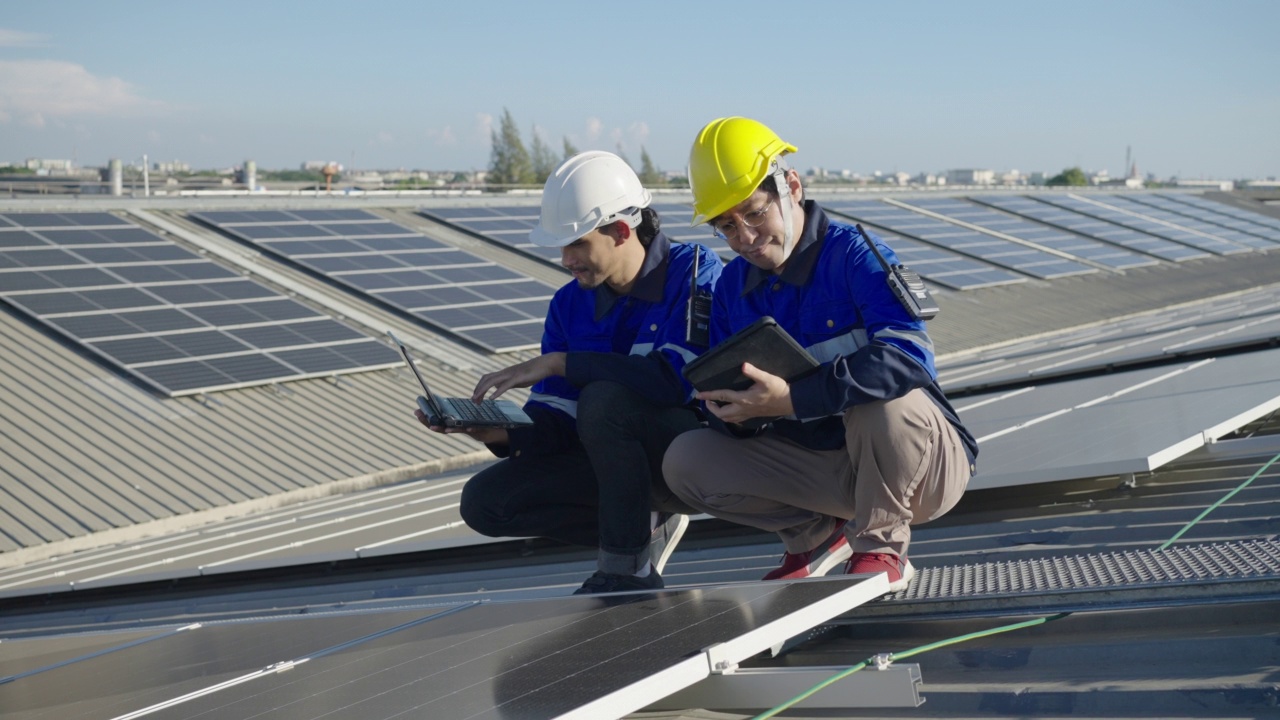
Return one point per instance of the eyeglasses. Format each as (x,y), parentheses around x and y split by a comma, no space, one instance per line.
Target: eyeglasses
(728,230)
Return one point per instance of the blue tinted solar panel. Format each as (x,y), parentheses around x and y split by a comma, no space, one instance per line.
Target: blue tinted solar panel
(1231,241)
(1032,232)
(1218,207)
(1141,223)
(392,263)
(995,251)
(1098,229)
(154,308)
(1213,217)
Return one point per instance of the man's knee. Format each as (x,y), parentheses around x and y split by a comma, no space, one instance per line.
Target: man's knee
(680,465)
(602,404)
(479,506)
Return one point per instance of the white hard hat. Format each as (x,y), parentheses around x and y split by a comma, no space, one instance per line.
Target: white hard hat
(587,191)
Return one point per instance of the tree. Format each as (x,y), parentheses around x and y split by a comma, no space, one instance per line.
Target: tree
(544,162)
(509,162)
(569,149)
(1070,176)
(650,176)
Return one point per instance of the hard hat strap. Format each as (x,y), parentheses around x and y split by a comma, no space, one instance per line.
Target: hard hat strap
(789,231)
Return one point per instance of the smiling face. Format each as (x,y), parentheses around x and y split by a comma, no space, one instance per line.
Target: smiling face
(754,228)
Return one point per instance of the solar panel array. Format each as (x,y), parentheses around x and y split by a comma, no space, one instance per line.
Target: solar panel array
(996,251)
(1217,207)
(1033,232)
(1133,221)
(1092,227)
(452,290)
(506,225)
(164,314)
(1228,217)
(510,226)
(1242,241)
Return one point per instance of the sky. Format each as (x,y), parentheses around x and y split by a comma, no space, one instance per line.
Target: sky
(1187,89)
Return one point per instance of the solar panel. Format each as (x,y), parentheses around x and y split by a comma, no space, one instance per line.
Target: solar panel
(1102,425)
(1033,232)
(1142,223)
(1092,227)
(1242,241)
(1137,340)
(449,289)
(573,657)
(177,321)
(993,250)
(510,226)
(1220,213)
(506,225)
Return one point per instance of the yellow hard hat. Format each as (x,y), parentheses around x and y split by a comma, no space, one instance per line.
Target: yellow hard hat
(729,160)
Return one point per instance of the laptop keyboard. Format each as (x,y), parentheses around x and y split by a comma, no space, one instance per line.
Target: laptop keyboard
(487,410)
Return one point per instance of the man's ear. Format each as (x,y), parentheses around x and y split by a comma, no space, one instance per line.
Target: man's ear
(619,231)
(794,186)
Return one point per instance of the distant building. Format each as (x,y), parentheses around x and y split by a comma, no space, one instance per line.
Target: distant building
(1223,185)
(44,166)
(171,167)
(971,177)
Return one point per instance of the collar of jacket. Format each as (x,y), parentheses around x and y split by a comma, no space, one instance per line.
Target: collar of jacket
(801,263)
(649,285)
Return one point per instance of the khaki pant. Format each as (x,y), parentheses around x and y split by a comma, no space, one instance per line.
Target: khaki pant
(903,464)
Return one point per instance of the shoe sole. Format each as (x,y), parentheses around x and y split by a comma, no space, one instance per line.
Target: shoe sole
(908,572)
(660,562)
(831,560)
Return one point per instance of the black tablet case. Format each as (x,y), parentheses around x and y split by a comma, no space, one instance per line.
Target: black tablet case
(763,344)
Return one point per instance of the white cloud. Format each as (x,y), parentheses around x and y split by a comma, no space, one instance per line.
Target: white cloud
(38,90)
(19,39)
(383,138)
(594,126)
(444,136)
(638,132)
(484,128)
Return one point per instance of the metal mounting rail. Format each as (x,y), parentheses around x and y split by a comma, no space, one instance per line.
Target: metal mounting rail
(1208,573)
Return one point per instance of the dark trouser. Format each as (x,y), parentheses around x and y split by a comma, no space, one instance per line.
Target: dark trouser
(599,494)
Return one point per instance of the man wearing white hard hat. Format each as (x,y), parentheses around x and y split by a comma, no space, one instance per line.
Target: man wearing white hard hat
(608,396)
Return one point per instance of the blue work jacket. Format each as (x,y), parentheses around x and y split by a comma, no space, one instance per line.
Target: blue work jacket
(833,298)
(637,340)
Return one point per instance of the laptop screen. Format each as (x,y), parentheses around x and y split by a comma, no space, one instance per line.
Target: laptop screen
(426,391)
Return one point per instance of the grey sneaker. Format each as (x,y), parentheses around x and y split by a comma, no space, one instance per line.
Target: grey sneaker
(602,582)
(665,537)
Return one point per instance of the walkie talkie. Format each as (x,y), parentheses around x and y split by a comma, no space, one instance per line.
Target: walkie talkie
(697,329)
(906,284)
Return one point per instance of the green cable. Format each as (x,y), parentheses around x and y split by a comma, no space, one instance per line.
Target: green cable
(992,631)
(1214,506)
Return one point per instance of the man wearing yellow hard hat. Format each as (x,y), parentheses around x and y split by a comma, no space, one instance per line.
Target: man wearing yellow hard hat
(855,452)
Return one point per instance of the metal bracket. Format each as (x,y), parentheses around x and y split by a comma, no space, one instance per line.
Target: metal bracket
(754,689)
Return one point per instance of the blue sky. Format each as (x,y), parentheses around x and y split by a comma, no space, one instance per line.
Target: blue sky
(1192,87)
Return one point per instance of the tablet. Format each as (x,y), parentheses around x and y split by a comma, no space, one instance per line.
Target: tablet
(764,344)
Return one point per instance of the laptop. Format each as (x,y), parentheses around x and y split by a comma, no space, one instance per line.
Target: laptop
(461,412)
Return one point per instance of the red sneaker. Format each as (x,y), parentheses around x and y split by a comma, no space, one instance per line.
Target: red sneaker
(815,563)
(898,569)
